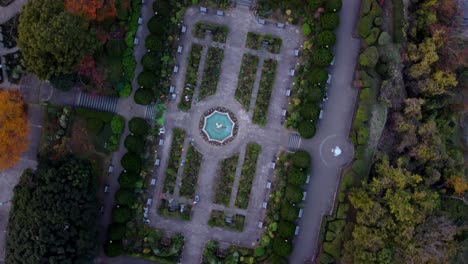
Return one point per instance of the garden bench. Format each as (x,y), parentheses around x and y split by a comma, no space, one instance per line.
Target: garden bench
(296,52)
(280,25)
(161,142)
(153,182)
(321,114)
(283,112)
(329,78)
(157,162)
(264,205)
(149,201)
(140,21)
(292,72)
(172,89)
(176,69)
(268,185)
(219,13)
(184,29)
(273,165)
(301,211)
(136,41)
(180,49)
(333,61)
(308,178)
(261,21)
(260,224)
(296,232)
(288,92)
(203,10)
(111,168)
(304,195)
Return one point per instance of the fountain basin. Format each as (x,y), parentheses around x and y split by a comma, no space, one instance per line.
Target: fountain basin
(218,126)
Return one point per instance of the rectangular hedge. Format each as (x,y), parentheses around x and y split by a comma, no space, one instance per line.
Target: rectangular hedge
(255,41)
(226,175)
(246,80)
(193,64)
(264,92)
(247,175)
(174,159)
(217,218)
(219,32)
(191,170)
(211,73)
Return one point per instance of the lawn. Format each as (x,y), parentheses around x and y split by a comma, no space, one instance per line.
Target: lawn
(217,218)
(191,170)
(246,80)
(255,41)
(211,73)
(264,92)
(247,175)
(174,159)
(191,76)
(219,32)
(225,179)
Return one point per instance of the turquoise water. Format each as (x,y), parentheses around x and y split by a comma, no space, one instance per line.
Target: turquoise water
(218,126)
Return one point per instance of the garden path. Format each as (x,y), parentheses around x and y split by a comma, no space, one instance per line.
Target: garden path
(7,12)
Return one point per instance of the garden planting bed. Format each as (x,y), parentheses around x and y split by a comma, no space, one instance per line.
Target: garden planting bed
(218,218)
(191,76)
(247,175)
(246,79)
(264,92)
(214,59)
(255,41)
(191,170)
(164,210)
(219,32)
(225,179)
(174,159)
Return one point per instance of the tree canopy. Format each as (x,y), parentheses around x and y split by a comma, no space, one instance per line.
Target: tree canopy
(51,40)
(54,212)
(14,127)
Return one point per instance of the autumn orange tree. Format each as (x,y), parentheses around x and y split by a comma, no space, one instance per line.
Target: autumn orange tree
(91,9)
(14,128)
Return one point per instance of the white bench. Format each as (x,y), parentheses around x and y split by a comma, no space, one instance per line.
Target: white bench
(296,52)
(264,205)
(184,29)
(219,13)
(136,41)
(296,232)
(140,21)
(157,162)
(161,142)
(288,92)
(153,182)
(203,10)
(180,49)
(176,69)
(301,211)
(268,185)
(292,72)
(304,195)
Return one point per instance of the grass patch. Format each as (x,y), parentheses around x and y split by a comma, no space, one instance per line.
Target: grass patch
(247,175)
(218,218)
(219,32)
(191,170)
(226,175)
(255,41)
(211,73)
(174,159)
(246,80)
(185,215)
(264,92)
(191,76)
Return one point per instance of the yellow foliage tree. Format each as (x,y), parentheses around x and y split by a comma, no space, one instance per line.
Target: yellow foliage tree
(14,128)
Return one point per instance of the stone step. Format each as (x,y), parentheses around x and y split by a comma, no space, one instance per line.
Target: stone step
(294,142)
(96,102)
(245,2)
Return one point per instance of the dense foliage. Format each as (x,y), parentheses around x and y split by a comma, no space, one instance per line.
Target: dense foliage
(54,212)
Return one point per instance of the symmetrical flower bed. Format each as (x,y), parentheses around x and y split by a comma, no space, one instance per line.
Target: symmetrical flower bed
(191,170)
(211,73)
(264,92)
(218,218)
(246,79)
(191,76)
(247,175)
(256,41)
(178,137)
(225,179)
(219,32)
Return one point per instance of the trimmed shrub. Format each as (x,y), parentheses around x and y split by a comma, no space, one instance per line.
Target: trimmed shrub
(151,62)
(313,95)
(282,248)
(154,43)
(333,5)
(314,4)
(121,214)
(288,211)
(322,57)
(301,159)
(117,231)
(326,38)
(147,79)
(378,21)
(318,75)
(365,26)
(134,143)
(156,26)
(94,125)
(131,162)
(293,194)
(306,129)
(286,229)
(384,38)
(114,249)
(306,29)
(369,57)
(297,176)
(138,126)
(128,179)
(143,96)
(330,21)
(125,197)
(373,36)
(310,111)
(117,124)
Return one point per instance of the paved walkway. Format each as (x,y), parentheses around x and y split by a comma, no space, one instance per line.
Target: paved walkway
(11,10)
(332,130)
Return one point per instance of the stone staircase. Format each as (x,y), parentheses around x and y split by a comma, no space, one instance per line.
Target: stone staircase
(248,3)
(150,112)
(294,142)
(96,102)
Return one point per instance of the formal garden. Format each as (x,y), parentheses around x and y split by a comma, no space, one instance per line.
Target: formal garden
(262,103)
(222,219)
(225,179)
(245,83)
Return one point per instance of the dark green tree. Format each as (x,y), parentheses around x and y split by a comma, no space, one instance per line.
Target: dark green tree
(297,176)
(330,21)
(289,212)
(51,40)
(117,231)
(326,38)
(121,214)
(306,129)
(282,247)
(301,159)
(138,126)
(144,96)
(322,57)
(128,180)
(293,194)
(134,143)
(286,229)
(125,197)
(131,162)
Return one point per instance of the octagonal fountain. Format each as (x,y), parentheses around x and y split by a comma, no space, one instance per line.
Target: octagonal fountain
(218,126)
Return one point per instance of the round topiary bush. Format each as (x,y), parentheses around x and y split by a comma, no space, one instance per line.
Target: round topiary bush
(134,143)
(297,176)
(294,194)
(138,126)
(147,79)
(143,96)
(281,247)
(330,21)
(114,249)
(117,124)
(156,26)
(151,62)
(154,43)
(318,75)
(125,197)
(310,111)
(333,5)
(131,162)
(286,229)
(121,214)
(301,159)
(314,95)
(289,212)
(116,231)
(128,179)
(306,30)
(306,129)
(326,38)
(322,57)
